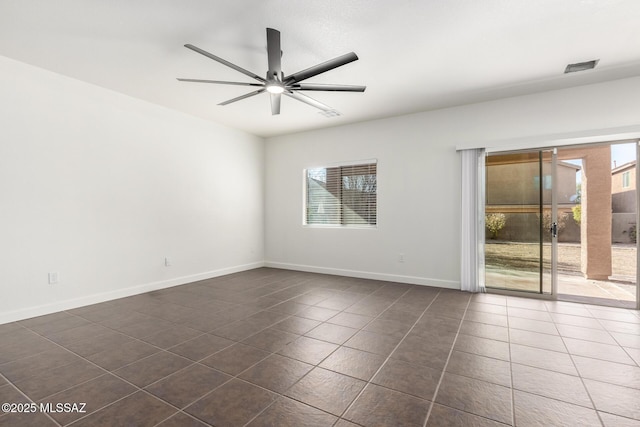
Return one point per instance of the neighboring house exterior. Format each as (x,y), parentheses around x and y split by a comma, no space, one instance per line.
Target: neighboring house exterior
(623,202)
(623,188)
(513,185)
(513,188)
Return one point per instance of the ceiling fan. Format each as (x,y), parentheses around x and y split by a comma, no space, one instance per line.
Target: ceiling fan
(276,83)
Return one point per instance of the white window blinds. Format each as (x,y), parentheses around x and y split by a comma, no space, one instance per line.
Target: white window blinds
(342,195)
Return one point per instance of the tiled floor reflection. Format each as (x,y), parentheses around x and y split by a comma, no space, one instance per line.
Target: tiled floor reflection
(271,347)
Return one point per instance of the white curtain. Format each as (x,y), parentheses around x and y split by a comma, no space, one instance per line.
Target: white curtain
(473,184)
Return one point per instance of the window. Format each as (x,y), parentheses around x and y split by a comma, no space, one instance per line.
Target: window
(626,179)
(341,195)
(546,180)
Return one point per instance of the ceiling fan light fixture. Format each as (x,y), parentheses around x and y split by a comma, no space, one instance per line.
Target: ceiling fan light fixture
(274,88)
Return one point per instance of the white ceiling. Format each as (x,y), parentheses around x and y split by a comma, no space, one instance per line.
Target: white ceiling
(414,55)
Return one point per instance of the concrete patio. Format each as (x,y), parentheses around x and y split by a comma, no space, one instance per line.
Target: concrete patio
(619,290)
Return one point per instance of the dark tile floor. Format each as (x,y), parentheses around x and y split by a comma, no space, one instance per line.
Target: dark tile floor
(280,348)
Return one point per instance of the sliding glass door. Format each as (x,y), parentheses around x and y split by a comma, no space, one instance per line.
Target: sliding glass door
(563,222)
(518,217)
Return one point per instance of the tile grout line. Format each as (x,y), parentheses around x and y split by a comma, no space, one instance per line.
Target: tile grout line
(562,338)
(153,345)
(581,379)
(511,362)
(513,392)
(105,371)
(233,304)
(571,356)
(143,389)
(368,382)
(339,346)
(604,329)
(637,363)
(179,410)
(337,292)
(79,384)
(11,384)
(362,329)
(237,376)
(444,369)
(568,353)
(161,350)
(556,323)
(232,377)
(329,355)
(166,351)
(288,314)
(184,413)
(137,388)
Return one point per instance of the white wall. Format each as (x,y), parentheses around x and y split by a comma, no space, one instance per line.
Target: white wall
(100,187)
(418,179)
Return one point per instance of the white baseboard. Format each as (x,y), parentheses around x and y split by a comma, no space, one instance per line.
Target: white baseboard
(41,310)
(413,280)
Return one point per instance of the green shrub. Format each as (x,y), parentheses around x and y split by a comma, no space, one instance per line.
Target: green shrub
(577,213)
(494,223)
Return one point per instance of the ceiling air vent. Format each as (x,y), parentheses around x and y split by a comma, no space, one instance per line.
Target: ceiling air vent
(329,113)
(581,66)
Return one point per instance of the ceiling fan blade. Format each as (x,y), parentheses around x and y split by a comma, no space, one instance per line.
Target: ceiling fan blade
(275,103)
(321,68)
(308,100)
(219,82)
(247,95)
(224,62)
(274,53)
(328,87)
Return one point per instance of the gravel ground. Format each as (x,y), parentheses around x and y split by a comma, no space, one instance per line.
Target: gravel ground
(526,256)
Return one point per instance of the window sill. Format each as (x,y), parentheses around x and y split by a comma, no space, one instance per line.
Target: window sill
(350,227)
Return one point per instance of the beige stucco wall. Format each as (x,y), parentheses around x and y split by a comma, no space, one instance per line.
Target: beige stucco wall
(623,199)
(518,183)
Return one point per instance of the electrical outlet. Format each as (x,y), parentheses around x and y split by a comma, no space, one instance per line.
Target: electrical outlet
(53,277)
(401,257)
(167,262)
